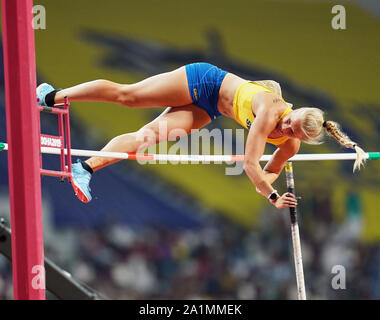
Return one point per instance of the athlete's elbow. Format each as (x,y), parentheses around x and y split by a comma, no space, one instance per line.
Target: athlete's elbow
(250,166)
(254,172)
(246,166)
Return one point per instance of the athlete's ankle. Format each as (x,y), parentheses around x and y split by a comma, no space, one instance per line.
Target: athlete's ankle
(87,167)
(50,98)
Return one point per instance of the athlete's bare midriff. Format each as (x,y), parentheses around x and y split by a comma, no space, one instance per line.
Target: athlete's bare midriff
(226,94)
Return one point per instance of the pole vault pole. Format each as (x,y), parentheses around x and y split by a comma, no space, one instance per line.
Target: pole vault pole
(295,236)
(23,156)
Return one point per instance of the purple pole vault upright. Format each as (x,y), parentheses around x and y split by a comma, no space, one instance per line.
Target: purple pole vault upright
(23,154)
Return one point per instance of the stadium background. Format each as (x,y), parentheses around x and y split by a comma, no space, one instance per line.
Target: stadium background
(190,231)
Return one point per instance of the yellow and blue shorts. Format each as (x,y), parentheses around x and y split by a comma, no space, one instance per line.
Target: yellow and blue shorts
(204,82)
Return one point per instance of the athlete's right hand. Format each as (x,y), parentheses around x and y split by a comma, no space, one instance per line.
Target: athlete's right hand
(286,200)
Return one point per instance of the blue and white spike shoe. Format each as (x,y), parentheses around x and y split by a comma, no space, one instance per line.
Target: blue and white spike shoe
(41,92)
(81,182)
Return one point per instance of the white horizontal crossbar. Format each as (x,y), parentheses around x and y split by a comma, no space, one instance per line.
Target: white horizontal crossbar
(199,158)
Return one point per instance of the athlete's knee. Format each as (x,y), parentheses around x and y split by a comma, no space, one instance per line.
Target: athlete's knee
(127,95)
(115,92)
(148,135)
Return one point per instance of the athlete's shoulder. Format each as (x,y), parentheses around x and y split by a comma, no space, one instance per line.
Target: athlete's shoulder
(271,85)
(268,103)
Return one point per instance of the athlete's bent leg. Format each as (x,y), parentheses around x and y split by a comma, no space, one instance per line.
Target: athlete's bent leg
(186,118)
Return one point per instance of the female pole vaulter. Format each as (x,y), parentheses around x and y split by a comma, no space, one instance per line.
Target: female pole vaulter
(197,94)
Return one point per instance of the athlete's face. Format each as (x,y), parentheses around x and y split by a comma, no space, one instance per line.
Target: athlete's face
(290,126)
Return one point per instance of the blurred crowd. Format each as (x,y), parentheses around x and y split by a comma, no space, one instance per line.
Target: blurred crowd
(220,261)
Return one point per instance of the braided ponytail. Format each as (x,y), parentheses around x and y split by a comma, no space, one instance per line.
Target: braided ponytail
(333,129)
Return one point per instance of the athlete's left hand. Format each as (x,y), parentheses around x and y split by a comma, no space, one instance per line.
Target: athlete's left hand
(286,200)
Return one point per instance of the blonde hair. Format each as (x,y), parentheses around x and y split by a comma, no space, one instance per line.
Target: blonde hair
(312,124)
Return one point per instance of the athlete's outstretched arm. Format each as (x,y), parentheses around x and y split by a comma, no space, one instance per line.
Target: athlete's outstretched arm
(255,146)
